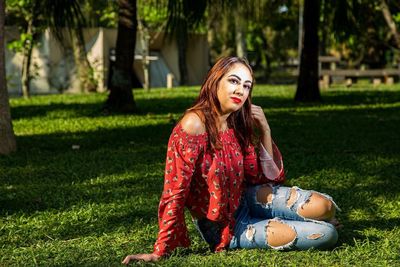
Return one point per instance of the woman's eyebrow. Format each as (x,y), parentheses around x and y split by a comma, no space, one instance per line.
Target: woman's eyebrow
(248,81)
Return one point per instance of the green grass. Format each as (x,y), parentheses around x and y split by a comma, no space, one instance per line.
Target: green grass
(93,205)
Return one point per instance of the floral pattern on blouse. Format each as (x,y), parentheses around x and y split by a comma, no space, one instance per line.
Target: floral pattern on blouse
(208,183)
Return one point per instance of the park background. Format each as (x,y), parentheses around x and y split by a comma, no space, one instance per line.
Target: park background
(90,91)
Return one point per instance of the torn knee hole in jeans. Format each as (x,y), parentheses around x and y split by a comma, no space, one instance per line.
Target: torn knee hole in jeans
(315,236)
(281,235)
(250,232)
(265,195)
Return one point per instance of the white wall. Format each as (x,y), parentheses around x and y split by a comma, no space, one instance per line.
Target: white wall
(54,66)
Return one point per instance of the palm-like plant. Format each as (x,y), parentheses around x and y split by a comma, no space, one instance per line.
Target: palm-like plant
(68,15)
(184,16)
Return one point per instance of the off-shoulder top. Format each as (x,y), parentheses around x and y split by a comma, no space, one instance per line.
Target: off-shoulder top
(209,183)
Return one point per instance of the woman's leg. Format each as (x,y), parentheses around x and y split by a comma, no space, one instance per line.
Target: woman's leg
(267,202)
(283,234)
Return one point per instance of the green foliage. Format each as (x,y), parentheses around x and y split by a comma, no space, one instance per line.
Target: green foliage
(20,10)
(83,188)
(18,45)
(396,17)
(101,13)
(272,36)
(109,17)
(153,14)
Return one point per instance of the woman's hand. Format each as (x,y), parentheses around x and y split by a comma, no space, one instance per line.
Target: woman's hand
(260,119)
(262,123)
(144,257)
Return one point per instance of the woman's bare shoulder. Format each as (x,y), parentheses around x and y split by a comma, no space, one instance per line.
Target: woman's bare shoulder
(192,124)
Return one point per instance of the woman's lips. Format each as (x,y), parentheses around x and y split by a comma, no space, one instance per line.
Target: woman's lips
(236,100)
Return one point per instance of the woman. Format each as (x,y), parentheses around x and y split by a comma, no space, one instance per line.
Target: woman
(234,196)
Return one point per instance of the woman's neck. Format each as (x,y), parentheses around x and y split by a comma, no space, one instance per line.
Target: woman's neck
(223,123)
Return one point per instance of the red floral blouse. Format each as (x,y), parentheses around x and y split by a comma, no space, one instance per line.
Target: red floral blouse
(208,183)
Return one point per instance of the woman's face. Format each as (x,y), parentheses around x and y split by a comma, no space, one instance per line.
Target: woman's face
(234,88)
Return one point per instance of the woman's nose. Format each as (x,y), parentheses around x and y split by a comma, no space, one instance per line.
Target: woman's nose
(239,90)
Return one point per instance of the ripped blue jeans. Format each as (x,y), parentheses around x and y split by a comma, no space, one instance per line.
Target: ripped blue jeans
(253,217)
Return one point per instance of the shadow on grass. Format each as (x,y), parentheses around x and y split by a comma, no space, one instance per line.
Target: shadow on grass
(361,97)
(64,110)
(178,105)
(47,173)
(145,106)
(348,98)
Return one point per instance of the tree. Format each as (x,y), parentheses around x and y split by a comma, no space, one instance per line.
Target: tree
(27,13)
(120,98)
(7,138)
(308,80)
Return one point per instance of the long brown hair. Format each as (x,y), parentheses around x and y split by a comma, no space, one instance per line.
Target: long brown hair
(207,105)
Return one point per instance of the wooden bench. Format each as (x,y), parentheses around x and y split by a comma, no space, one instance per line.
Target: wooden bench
(376,75)
(327,74)
(328,71)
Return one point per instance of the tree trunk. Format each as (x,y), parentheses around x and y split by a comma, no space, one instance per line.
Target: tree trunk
(84,70)
(181,39)
(121,98)
(240,36)
(227,25)
(26,62)
(308,81)
(210,41)
(7,138)
(389,20)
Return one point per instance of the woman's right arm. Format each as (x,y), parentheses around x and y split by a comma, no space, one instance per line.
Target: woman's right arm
(180,165)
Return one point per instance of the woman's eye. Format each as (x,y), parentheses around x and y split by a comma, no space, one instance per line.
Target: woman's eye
(234,81)
(247,87)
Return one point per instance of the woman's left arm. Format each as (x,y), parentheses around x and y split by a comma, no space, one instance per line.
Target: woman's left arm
(268,166)
(263,126)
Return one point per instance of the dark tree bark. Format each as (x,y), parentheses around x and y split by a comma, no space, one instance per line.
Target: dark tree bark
(181,39)
(308,81)
(26,62)
(121,98)
(7,138)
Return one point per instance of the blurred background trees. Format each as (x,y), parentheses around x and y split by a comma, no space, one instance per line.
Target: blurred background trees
(279,38)
(362,33)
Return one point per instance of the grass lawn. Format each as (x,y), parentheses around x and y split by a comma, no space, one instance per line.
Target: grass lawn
(83,188)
